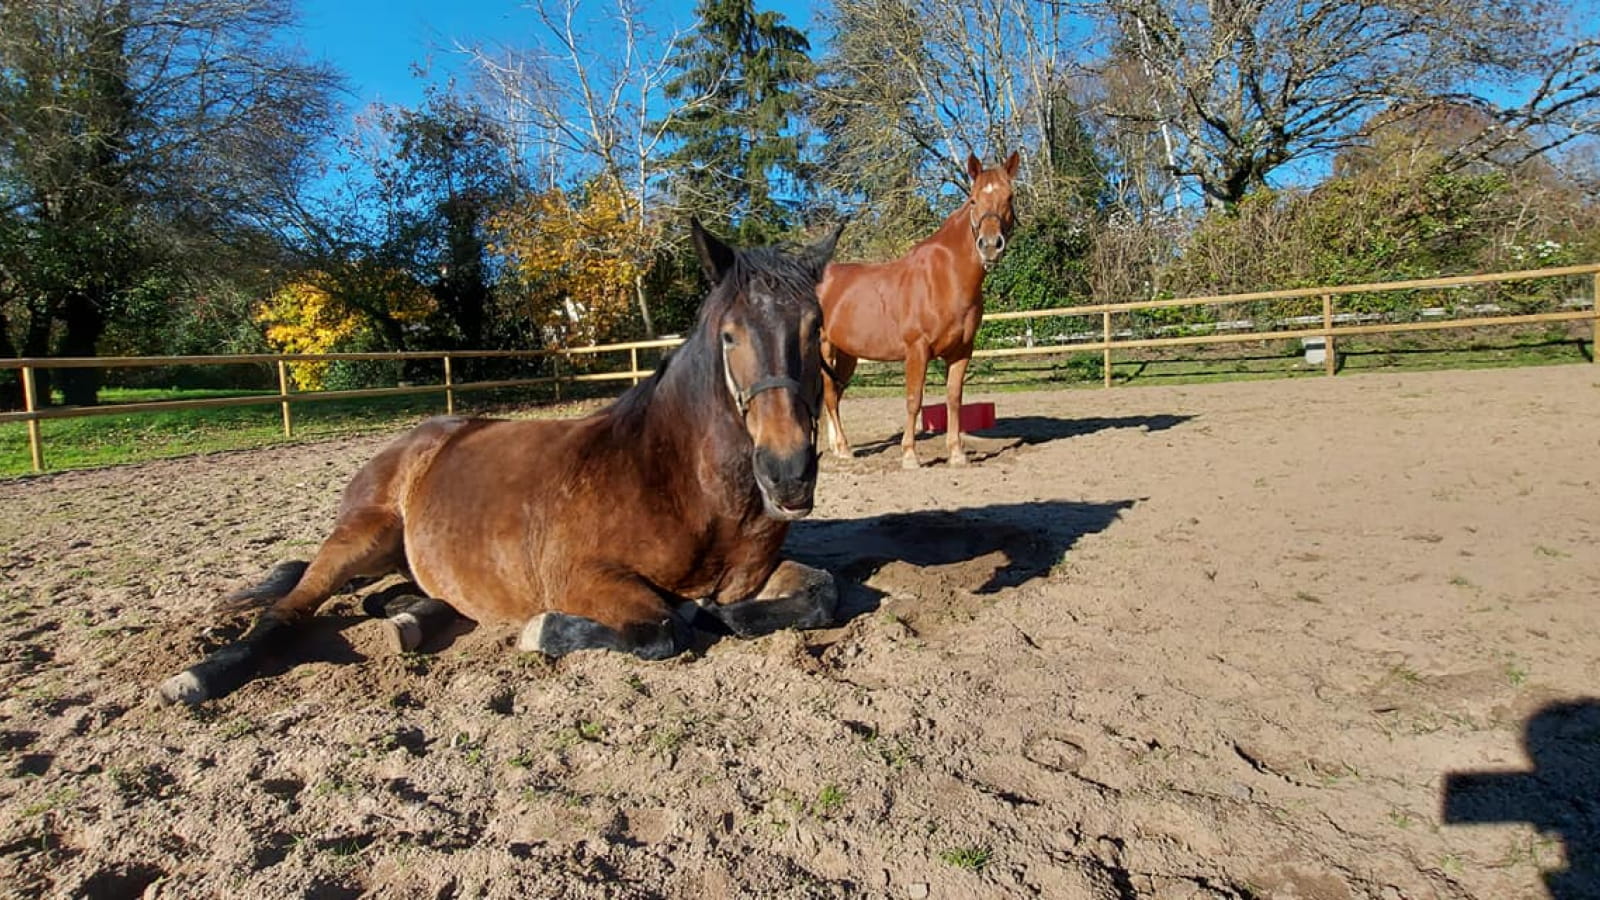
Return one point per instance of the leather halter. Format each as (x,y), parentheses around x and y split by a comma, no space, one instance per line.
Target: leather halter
(743,396)
(769,383)
(977,224)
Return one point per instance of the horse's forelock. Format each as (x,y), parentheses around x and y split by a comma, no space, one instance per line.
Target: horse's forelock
(782,271)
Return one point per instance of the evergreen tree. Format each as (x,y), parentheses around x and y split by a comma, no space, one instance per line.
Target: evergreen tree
(740,77)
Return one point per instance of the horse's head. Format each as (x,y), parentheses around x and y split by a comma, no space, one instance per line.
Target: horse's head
(989,210)
(768,325)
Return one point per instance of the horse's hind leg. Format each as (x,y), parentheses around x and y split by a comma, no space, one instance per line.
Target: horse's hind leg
(833,384)
(795,596)
(280,580)
(365,541)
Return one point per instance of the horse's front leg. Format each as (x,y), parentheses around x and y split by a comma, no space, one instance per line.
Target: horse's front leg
(916,374)
(620,613)
(955,378)
(794,596)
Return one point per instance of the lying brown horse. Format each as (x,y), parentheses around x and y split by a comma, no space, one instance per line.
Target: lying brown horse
(927,304)
(603,532)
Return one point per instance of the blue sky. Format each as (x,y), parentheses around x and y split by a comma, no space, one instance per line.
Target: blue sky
(379,43)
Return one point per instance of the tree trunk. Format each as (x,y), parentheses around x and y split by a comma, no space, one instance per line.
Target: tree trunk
(10,379)
(36,343)
(644,308)
(83,323)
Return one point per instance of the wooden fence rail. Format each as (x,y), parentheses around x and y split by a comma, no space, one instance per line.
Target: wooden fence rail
(34,411)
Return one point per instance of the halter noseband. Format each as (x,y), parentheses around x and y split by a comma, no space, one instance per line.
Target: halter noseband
(743,396)
(977,224)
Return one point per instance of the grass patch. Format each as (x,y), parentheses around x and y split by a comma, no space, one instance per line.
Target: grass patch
(829,800)
(1405,673)
(973,859)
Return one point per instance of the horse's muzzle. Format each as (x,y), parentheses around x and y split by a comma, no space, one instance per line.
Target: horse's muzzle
(788,482)
(990,249)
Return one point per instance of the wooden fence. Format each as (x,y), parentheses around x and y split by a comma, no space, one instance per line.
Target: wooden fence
(1329,330)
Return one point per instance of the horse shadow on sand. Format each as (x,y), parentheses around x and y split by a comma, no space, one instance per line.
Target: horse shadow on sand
(973,551)
(1008,434)
(1559,796)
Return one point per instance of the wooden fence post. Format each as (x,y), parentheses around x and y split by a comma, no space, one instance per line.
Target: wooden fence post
(1594,326)
(1105,359)
(30,402)
(283,391)
(449,390)
(1328,360)
(633,363)
(555,372)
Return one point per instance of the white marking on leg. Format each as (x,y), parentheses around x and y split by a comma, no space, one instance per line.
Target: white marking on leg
(407,631)
(531,635)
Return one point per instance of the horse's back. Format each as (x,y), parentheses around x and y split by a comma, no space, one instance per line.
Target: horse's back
(386,479)
(874,310)
(863,305)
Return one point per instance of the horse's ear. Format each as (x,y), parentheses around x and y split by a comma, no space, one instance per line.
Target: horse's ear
(716,258)
(818,254)
(1011,164)
(974,166)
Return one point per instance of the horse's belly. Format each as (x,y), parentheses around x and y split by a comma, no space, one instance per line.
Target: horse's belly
(470,530)
(484,574)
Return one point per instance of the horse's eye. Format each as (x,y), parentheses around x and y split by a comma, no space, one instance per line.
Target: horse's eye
(727,339)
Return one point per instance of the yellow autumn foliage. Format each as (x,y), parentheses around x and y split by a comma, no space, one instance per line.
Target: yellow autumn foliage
(305,317)
(577,257)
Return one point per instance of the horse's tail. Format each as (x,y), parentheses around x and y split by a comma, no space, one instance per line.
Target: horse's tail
(277,585)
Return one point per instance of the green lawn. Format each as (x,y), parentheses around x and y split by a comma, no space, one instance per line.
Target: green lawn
(134,437)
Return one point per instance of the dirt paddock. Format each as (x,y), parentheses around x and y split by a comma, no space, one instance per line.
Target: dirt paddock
(1320,638)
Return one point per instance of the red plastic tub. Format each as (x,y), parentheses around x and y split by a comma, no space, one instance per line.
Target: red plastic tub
(974,417)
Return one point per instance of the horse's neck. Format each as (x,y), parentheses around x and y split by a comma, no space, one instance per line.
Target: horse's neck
(955,237)
(688,418)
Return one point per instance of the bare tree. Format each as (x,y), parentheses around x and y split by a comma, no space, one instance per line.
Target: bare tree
(909,87)
(581,97)
(1247,87)
(936,78)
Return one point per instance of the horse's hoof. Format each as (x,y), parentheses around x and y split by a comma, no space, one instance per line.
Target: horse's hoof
(909,461)
(402,632)
(958,459)
(184,687)
(532,640)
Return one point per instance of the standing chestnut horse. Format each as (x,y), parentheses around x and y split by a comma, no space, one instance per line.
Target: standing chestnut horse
(603,531)
(927,304)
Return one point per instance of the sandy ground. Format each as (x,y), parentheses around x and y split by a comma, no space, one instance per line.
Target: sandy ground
(1314,638)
